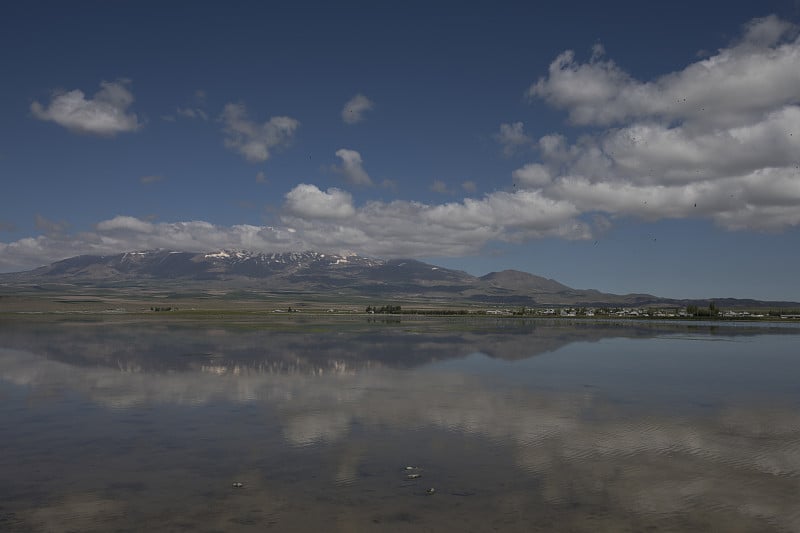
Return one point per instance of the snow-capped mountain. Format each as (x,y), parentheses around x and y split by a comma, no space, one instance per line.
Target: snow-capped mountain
(289,270)
(222,264)
(319,273)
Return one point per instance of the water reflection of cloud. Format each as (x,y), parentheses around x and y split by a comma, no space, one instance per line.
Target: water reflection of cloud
(742,458)
(321,408)
(81,511)
(311,428)
(344,348)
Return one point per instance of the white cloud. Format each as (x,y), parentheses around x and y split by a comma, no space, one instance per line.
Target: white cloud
(195,110)
(737,166)
(680,154)
(736,86)
(355,109)
(125,233)
(718,139)
(252,140)
(124,223)
(767,31)
(521,209)
(512,137)
(742,178)
(352,167)
(308,201)
(469,186)
(105,114)
(192,112)
(327,221)
(532,175)
(408,229)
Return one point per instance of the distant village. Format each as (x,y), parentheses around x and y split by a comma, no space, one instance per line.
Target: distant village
(690,311)
(687,312)
(635,312)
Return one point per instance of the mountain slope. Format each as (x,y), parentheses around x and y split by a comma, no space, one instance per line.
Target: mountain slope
(524,282)
(326,274)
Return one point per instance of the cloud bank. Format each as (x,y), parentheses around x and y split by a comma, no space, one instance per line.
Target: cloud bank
(328,221)
(719,139)
(105,115)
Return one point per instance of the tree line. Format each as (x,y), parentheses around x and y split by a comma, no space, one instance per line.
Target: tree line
(386,309)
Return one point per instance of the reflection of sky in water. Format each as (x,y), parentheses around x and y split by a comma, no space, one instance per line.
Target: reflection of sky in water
(665,366)
(575,424)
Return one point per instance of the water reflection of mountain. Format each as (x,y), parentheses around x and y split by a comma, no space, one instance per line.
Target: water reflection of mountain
(325,347)
(733,462)
(342,403)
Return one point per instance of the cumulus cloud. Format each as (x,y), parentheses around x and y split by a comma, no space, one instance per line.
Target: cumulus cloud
(512,137)
(328,221)
(352,167)
(105,114)
(309,201)
(738,84)
(718,139)
(252,140)
(404,229)
(355,109)
(532,175)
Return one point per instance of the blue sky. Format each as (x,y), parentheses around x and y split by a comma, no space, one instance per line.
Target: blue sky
(627,147)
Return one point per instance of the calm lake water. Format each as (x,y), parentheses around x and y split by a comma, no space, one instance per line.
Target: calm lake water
(517,425)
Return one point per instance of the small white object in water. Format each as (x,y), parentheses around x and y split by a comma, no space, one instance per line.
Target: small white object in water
(238,484)
(413,476)
(430,491)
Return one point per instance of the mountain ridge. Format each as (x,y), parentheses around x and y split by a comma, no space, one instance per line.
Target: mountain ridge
(313,272)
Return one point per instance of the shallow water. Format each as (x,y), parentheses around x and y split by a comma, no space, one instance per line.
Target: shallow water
(517,425)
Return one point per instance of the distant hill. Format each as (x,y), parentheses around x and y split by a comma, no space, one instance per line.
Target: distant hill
(313,272)
(523,282)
